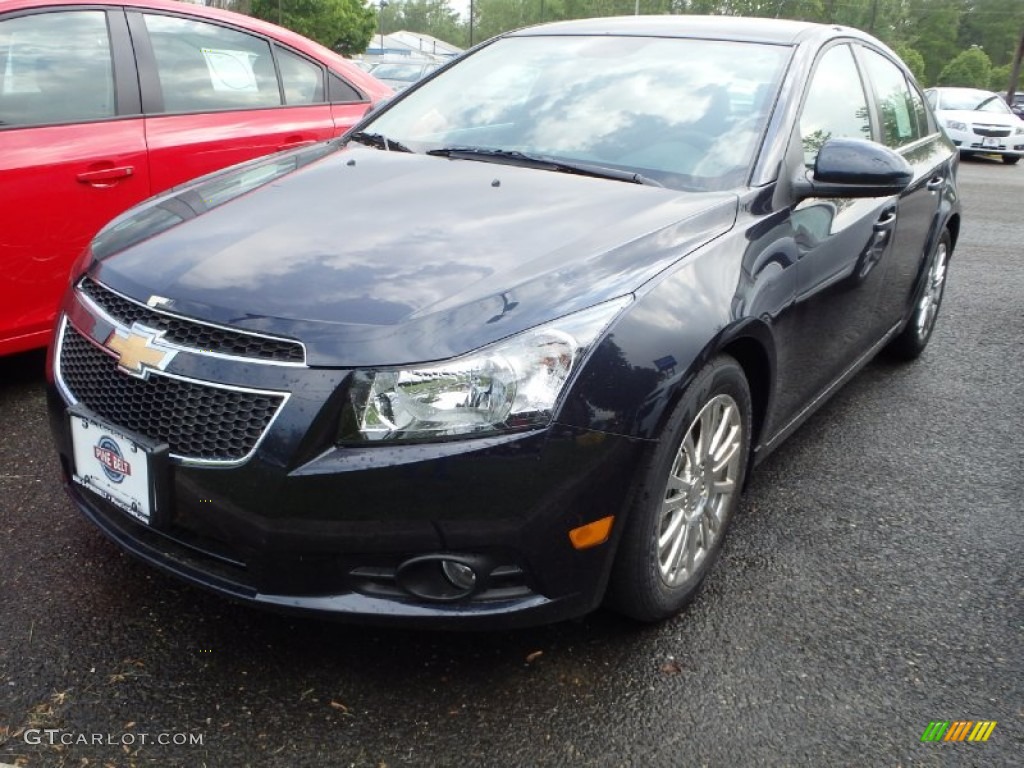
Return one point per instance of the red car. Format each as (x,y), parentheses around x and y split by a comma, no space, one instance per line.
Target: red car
(106,103)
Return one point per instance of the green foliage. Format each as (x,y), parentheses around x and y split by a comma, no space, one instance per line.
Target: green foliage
(971,68)
(345,25)
(995,25)
(928,34)
(999,77)
(914,61)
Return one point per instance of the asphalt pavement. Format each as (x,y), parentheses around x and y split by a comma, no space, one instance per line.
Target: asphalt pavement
(870,585)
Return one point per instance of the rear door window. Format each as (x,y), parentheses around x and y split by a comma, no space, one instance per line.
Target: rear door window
(205,67)
(898,112)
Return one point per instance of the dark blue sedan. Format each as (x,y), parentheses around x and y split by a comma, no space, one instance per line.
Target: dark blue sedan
(509,349)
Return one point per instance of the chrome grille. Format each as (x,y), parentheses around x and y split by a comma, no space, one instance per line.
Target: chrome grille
(192,333)
(992,131)
(198,421)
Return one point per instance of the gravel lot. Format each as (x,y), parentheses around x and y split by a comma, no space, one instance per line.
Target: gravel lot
(870,584)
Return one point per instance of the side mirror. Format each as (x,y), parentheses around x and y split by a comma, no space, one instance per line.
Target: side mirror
(854,168)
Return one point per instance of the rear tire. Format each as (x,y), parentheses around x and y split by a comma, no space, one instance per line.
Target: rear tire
(687,493)
(912,340)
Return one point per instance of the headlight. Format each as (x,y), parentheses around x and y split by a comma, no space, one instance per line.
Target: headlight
(956,125)
(511,385)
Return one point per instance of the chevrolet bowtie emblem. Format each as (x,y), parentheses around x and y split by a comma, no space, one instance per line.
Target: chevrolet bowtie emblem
(139,350)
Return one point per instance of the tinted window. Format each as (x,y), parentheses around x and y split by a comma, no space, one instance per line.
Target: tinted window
(924,123)
(302,79)
(342,92)
(55,68)
(899,117)
(205,67)
(835,106)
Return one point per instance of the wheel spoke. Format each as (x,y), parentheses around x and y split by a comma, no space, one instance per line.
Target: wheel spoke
(670,565)
(706,430)
(677,484)
(723,487)
(706,534)
(724,417)
(676,521)
(692,536)
(690,451)
(728,451)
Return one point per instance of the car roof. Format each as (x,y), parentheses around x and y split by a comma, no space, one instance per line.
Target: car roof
(335,60)
(737,28)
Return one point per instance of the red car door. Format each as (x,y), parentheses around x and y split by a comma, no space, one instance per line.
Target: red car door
(213,97)
(72,156)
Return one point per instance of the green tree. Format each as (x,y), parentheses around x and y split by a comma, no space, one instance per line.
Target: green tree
(971,68)
(345,25)
(999,77)
(995,25)
(931,28)
(913,60)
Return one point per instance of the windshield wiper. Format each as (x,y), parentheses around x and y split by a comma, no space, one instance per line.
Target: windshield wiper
(379,141)
(515,157)
(989,100)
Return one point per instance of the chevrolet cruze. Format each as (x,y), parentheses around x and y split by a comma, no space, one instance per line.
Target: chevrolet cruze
(507,350)
(979,122)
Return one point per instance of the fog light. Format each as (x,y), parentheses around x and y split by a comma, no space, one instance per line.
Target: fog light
(460,576)
(443,578)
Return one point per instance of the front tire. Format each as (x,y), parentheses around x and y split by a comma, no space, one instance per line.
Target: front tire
(912,340)
(1011,159)
(687,493)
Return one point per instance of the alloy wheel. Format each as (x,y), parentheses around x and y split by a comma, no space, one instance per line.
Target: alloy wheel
(702,481)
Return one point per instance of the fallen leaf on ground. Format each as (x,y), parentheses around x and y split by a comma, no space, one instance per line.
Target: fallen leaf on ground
(671,668)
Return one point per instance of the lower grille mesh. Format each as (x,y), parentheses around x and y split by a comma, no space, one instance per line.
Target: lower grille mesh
(197,421)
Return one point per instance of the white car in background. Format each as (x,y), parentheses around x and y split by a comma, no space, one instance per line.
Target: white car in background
(979,121)
(401,74)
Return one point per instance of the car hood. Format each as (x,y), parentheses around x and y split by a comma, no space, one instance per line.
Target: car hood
(383,258)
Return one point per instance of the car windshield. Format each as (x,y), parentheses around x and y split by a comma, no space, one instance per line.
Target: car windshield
(972,101)
(686,114)
(405,72)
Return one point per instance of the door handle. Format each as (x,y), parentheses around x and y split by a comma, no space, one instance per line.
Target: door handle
(886,221)
(106,177)
(935,184)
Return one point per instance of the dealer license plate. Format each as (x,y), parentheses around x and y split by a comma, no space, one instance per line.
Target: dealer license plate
(988,141)
(113,465)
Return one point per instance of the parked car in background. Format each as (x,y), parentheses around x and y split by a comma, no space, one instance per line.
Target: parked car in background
(401,74)
(979,122)
(106,103)
(1017,105)
(510,349)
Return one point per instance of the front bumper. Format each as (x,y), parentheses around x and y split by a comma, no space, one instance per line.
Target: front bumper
(302,524)
(969,141)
